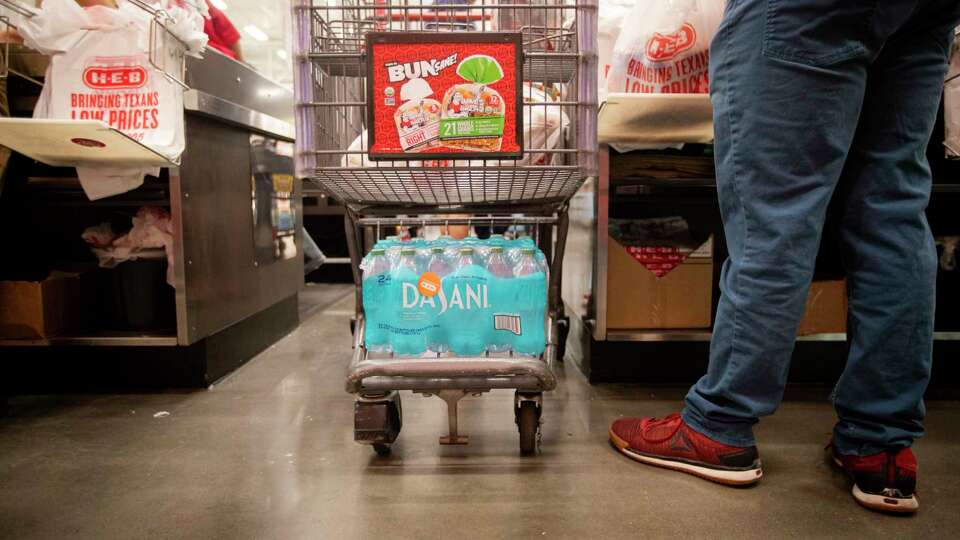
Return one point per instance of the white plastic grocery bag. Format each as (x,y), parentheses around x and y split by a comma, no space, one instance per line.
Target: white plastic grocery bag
(609,22)
(664,47)
(951,103)
(100,70)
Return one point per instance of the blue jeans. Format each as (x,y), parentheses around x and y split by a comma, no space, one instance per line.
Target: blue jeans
(815,99)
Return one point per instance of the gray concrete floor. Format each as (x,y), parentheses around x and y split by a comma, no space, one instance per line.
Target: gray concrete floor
(268,453)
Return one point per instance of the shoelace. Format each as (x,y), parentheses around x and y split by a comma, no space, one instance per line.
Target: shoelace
(655,423)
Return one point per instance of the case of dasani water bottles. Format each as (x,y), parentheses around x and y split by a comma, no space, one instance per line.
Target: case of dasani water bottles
(467,297)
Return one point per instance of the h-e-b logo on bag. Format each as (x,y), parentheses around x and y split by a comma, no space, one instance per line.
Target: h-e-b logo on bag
(664,47)
(114,73)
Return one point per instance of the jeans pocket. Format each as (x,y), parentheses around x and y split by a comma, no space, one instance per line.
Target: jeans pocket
(818,32)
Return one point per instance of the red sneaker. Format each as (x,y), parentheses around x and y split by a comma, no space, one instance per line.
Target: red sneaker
(886,481)
(672,444)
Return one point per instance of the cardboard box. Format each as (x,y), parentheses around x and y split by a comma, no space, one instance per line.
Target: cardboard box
(681,297)
(826,309)
(41,309)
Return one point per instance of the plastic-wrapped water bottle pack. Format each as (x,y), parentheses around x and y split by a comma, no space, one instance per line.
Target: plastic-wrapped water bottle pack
(466,297)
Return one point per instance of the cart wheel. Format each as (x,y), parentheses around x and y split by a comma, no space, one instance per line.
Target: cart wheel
(382,449)
(528,420)
(563,330)
(377,420)
(353,326)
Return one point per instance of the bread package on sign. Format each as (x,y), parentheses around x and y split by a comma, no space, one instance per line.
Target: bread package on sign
(418,124)
(473,101)
(418,118)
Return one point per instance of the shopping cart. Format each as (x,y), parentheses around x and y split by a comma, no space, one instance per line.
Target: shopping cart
(558,53)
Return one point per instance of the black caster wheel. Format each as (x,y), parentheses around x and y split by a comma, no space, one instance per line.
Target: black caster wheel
(377,421)
(528,421)
(563,330)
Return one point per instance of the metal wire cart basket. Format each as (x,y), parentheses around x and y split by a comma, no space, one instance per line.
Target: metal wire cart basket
(558,152)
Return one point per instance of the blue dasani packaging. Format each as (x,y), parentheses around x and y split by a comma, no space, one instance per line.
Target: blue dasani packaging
(467,297)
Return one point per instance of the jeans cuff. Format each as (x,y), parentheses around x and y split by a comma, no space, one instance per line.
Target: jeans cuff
(848,446)
(739,435)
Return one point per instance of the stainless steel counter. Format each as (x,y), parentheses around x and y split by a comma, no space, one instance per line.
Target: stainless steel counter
(219,279)
(232,297)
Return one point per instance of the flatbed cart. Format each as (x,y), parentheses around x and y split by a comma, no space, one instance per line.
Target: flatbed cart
(333,95)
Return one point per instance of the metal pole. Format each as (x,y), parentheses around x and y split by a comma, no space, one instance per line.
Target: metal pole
(352,231)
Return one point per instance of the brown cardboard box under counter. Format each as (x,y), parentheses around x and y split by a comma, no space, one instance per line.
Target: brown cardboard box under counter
(826,309)
(42,309)
(681,296)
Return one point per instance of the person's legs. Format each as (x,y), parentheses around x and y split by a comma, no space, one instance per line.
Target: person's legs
(888,248)
(788,80)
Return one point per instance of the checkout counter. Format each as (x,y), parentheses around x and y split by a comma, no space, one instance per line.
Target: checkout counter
(237,261)
(625,320)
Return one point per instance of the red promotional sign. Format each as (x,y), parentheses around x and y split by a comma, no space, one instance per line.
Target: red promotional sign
(659,259)
(444,96)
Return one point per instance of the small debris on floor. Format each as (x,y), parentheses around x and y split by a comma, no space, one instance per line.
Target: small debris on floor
(161,414)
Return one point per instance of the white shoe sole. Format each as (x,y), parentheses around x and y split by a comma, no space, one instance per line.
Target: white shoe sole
(883,503)
(905,505)
(727,477)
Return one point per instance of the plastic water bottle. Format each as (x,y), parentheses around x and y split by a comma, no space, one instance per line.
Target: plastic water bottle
(406,272)
(375,292)
(466,257)
(527,265)
(438,263)
(544,263)
(467,336)
(497,263)
(449,245)
(408,258)
(498,340)
(533,298)
(512,248)
(437,339)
